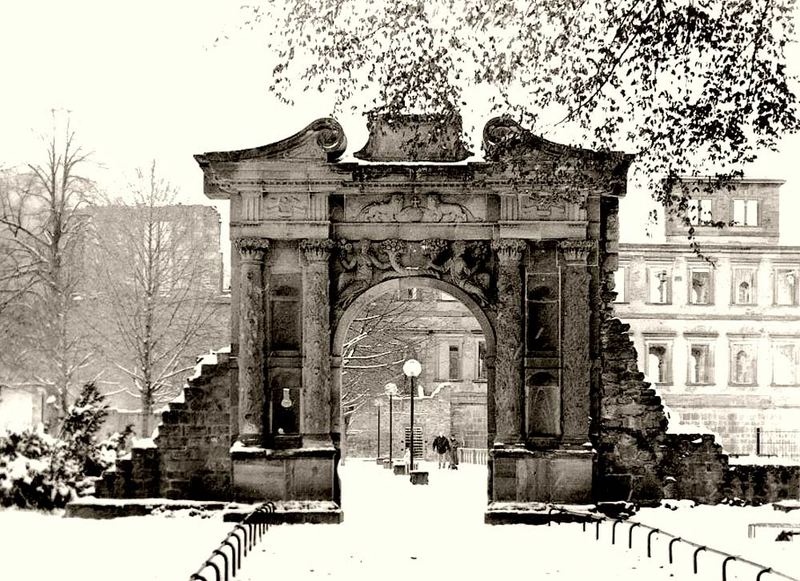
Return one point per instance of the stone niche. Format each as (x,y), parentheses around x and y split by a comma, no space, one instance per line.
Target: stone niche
(526,239)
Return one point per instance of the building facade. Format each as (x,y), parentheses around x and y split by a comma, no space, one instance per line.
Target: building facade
(719,334)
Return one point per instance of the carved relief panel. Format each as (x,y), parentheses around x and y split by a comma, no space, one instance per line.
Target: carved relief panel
(361,264)
(280,207)
(284,313)
(526,206)
(542,293)
(413,207)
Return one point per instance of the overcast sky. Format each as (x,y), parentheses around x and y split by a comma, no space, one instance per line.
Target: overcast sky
(144,80)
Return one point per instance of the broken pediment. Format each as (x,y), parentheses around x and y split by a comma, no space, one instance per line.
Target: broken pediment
(435,138)
(323,140)
(506,140)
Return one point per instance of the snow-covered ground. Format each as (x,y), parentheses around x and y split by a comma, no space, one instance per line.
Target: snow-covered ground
(393,530)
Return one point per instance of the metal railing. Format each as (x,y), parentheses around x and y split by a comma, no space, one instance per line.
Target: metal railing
(780,443)
(651,531)
(473,455)
(226,560)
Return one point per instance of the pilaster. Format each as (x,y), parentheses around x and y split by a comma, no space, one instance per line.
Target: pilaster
(252,332)
(576,375)
(316,409)
(509,350)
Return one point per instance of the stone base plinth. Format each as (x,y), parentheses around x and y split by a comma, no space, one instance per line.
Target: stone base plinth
(387,464)
(379,461)
(533,513)
(399,468)
(419,477)
(289,475)
(293,512)
(103,508)
(562,476)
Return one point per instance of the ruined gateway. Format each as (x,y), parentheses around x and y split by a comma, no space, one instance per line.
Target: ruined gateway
(527,239)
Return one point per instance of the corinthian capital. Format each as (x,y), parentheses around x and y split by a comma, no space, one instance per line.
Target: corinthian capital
(251,248)
(316,249)
(577,251)
(509,249)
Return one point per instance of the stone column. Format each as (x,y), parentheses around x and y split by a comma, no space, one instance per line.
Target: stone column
(316,410)
(510,342)
(251,339)
(576,356)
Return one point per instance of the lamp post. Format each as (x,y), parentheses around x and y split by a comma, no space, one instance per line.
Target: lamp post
(391,391)
(378,409)
(412,368)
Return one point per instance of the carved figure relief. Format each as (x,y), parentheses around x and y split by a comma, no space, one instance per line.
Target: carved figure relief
(362,265)
(427,208)
(366,263)
(462,265)
(285,207)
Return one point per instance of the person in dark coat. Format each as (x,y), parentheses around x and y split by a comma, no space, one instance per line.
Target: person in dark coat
(454,445)
(441,446)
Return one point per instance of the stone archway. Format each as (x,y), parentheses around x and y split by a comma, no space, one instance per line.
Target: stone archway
(526,238)
(398,285)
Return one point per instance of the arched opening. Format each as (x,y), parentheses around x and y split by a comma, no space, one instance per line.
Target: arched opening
(446,330)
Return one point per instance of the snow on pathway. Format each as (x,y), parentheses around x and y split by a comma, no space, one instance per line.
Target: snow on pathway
(393,530)
(37,546)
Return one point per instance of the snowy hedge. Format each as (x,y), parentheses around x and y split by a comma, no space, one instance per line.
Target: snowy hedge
(40,471)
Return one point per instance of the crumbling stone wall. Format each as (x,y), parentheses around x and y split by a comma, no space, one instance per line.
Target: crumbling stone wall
(763,483)
(135,476)
(694,467)
(191,457)
(194,437)
(632,424)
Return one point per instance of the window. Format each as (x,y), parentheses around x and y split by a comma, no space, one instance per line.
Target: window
(658,366)
(659,291)
(410,294)
(700,291)
(619,284)
(784,363)
(743,363)
(454,362)
(481,360)
(699,212)
(745,212)
(743,290)
(701,364)
(785,286)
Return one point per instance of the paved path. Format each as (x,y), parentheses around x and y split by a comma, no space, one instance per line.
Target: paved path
(394,530)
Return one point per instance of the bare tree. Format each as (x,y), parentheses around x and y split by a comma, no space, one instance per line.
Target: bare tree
(694,87)
(385,333)
(159,278)
(42,229)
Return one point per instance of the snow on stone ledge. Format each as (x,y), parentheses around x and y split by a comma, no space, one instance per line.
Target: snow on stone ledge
(143,443)
(207,359)
(753,460)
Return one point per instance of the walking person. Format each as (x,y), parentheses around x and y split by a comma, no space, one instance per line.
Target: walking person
(441,446)
(454,445)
